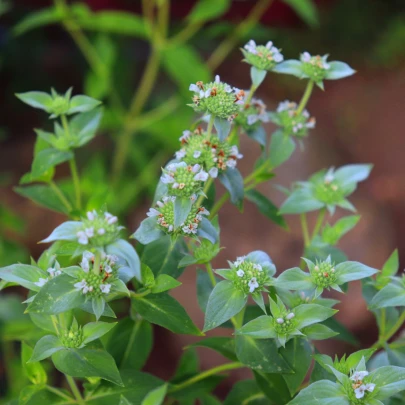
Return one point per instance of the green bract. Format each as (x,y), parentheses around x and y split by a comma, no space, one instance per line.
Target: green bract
(217,99)
(327,188)
(262,57)
(323,274)
(284,324)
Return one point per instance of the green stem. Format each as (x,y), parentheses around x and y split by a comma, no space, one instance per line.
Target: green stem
(75,390)
(205,191)
(133,294)
(60,195)
(390,333)
(55,323)
(186,33)
(218,205)
(58,392)
(76,182)
(305,97)
(383,320)
(305,232)
(205,374)
(211,274)
(319,222)
(252,90)
(97,260)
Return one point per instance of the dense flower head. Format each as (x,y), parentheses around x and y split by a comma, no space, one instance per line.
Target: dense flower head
(97,282)
(99,229)
(294,123)
(73,337)
(52,271)
(285,323)
(324,274)
(217,98)
(184,180)
(263,57)
(360,386)
(207,151)
(164,213)
(248,276)
(316,67)
(252,115)
(328,190)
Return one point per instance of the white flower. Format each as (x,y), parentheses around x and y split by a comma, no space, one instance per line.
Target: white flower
(217,79)
(235,152)
(269,45)
(305,57)
(88,255)
(85,265)
(196,168)
(193,197)
(280,321)
(290,315)
(278,57)
(89,232)
(170,228)
(82,238)
(41,282)
(253,284)
(258,267)
(228,89)
(251,119)
(239,260)
(329,176)
(213,172)
(180,154)
(175,185)
(202,176)
(91,215)
(360,391)
(111,219)
(54,272)
(185,136)
(105,288)
(203,211)
(107,268)
(194,87)
(359,375)
(101,231)
(196,154)
(240,273)
(370,387)
(251,47)
(166,178)
(231,163)
(205,94)
(82,285)
(152,212)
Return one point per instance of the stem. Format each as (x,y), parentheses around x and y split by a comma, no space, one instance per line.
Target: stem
(76,182)
(75,390)
(305,97)
(55,323)
(383,320)
(205,374)
(390,333)
(210,126)
(305,232)
(60,195)
(65,125)
(205,191)
(229,43)
(58,392)
(319,222)
(218,205)
(139,295)
(186,33)
(211,274)
(252,90)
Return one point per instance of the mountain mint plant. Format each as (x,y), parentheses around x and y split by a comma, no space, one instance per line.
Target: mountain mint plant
(93,296)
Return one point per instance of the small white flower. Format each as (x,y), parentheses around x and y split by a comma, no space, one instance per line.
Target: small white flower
(170,228)
(111,219)
(290,315)
(41,282)
(159,204)
(175,185)
(240,273)
(105,288)
(280,321)
(180,154)
(85,265)
(196,154)
(258,267)
(205,94)
(359,392)
(88,255)
(269,45)
(228,89)
(217,79)
(196,168)
(166,178)
(54,272)
(185,136)
(108,269)
(239,260)
(370,387)
(91,215)
(251,47)
(359,375)
(194,87)
(101,231)
(203,211)
(278,57)
(89,232)
(235,152)
(213,172)
(231,163)
(152,212)
(193,197)
(306,57)
(252,119)
(329,177)
(82,285)
(82,238)
(201,176)
(253,284)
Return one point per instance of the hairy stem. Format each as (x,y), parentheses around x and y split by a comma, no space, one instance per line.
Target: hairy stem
(305,97)
(75,390)
(305,232)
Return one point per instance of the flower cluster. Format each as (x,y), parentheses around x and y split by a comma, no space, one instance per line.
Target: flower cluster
(327,189)
(99,229)
(73,337)
(198,148)
(217,98)
(53,272)
(164,212)
(263,57)
(324,274)
(94,280)
(293,122)
(184,180)
(359,386)
(252,114)
(315,67)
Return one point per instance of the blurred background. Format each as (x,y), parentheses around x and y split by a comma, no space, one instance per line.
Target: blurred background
(102,48)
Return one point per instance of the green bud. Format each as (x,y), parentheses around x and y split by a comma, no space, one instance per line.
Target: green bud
(263,57)
(324,274)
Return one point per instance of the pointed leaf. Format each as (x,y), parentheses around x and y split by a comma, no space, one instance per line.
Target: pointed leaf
(45,347)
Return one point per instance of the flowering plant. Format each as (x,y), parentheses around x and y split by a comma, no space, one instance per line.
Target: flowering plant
(76,285)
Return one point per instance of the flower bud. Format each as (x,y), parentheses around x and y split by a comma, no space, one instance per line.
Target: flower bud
(263,57)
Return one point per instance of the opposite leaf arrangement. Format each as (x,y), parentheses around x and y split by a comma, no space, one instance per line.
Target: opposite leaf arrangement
(90,269)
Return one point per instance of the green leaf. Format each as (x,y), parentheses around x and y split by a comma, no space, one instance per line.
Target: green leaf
(306,9)
(33,370)
(300,201)
(156,396)
(98,306)
(87,362)
(323,392)
(318,332)
(274,386)
(94,330)
(266,207)
(339,70)
(289,67)
(223,345)
(261,355)
(259,328)
(148,231)
(84,126)
(66,231)
(349,174)
(308,314)
(350,271)
(294,279)
(164,310)
(56,296)
(223,127)
(163,283)
(45,347)
(208,231)
(148,278)
(281,148)
(389,270)
(392,295)
(332,234)
(36,99)
(204,288)
(257,76)
(232,180)
(37,19)
(224,302)
(298,353)
(124,401)
(247,393)
(37,395)
(81,104)
(184,65)
(182,207)
(205,10)
(130,343)
(163,256)
(187,366)
(259,135)
(23,274)
(344,334)
(389,380)
(47,159)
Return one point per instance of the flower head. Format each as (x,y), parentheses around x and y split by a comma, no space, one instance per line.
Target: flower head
(263,57)
(315,67)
